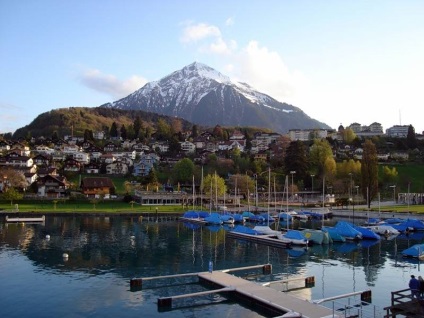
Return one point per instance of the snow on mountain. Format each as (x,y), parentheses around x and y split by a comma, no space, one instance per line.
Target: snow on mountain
(202,95)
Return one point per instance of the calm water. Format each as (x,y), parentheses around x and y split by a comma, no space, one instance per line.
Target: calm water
(105,253)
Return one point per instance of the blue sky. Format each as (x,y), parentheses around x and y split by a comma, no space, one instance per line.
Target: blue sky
(339,61)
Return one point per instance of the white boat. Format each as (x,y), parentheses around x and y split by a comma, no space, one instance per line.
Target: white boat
(294,237)
(265,230)
(383,229)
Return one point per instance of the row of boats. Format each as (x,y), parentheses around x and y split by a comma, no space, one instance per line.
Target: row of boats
(342,231)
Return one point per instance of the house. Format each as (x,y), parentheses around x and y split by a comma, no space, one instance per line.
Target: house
(110,147)
(72,165)
(117,168)
(16,160)
(188,147)
(20,148)
(52,186)
(92,168)
(82,157)
(44,171)
(145,164)
(41,160)
(4,145)
(94,187)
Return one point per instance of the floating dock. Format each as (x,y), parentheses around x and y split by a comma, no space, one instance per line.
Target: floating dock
(25,219)
(269,240)
(256,295)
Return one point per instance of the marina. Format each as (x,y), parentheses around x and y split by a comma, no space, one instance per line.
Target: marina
(105,252)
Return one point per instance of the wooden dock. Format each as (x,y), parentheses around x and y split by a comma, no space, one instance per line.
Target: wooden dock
(265,297)
(25,219)
(256,295)
(404,306)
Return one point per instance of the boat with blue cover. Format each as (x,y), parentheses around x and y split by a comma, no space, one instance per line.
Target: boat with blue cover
(214,219)
(317,236)
(294,237)
(348,231)
(415,251)
(334,234)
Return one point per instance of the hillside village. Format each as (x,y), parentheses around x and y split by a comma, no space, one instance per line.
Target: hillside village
(45,165)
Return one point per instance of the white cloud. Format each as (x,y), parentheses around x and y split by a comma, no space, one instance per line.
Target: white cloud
(109,84)
(266,71)
(229,21)
(200,31)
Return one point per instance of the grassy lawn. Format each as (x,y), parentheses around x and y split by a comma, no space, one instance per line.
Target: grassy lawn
(62,206)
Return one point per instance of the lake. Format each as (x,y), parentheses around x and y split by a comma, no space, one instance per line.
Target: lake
(106,252)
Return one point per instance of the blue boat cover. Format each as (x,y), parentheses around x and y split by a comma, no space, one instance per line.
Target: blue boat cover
(244,230)
(414,251)
(295,235)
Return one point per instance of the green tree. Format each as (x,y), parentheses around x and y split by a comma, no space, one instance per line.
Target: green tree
(12,195)
(123,132)
(348,135)
(183,171)
(214,185)
(113,132)
(194,131)
(389,175)
(163,130)
(137,126)
(88,135)
(243,183)
(369,171)
(411,139)
(296,160)
(320,155)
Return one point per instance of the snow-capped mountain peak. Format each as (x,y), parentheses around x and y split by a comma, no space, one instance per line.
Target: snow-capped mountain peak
(202,95)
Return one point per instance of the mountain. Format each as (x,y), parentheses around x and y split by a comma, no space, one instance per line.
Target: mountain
(202,95)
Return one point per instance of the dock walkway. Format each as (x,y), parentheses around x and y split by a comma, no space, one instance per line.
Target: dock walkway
(264,296)
(256,295)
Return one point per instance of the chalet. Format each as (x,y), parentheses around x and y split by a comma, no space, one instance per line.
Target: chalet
(16,160)
(94,187)
(41,160)
(188,147)
(4,145)
(111,147)
(162,146)
(139,147)
(44,150)
(82,157)
(107,158)
(117,168)
(92,168)
(44,171)
(52,186)
(72,165)
(20,148)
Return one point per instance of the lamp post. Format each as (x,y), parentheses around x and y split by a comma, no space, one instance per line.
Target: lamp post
(350,186)
(394,193)
(4,183)
(312,177)
(292,173)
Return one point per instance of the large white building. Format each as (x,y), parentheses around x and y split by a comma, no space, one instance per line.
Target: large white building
(400,131)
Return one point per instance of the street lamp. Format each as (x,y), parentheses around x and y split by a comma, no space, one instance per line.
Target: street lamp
(312,192)
(394,193)
(292,173)
(350,186)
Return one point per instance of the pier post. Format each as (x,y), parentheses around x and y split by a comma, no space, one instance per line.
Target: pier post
(366,296)
(267,269)
(310,281)
(165,302)
(136,282)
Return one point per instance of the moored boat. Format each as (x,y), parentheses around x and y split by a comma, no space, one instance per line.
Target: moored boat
(415,251)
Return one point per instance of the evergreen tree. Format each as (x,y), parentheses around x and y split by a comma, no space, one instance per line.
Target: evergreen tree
(113,132)
(296,160)
(137,126)
(124,132)
(369,171)
(411,139)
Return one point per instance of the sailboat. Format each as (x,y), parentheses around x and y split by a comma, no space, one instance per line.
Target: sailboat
(294,237)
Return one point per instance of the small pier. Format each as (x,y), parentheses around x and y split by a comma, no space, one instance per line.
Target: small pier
(256,295)
(25,219)
(404,306)
(268,240)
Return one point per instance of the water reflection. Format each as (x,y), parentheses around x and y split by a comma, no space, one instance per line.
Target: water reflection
(129,247)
